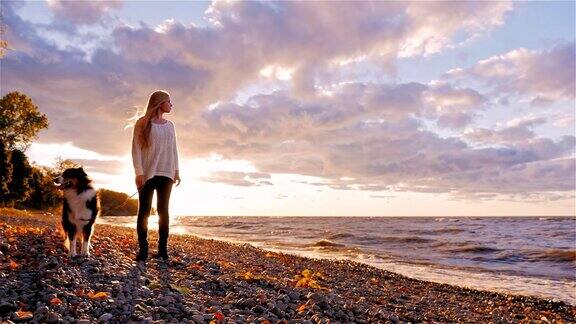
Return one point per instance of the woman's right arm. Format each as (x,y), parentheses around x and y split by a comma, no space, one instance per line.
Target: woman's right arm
(137,158)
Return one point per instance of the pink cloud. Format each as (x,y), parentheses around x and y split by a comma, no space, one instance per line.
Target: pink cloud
(82,12)
(543,76)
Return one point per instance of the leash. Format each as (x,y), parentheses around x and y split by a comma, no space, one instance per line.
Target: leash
(122,204)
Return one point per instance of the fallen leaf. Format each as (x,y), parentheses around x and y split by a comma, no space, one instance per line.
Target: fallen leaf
(183,290)
(219,316)
(153,285)
(248,276)
(101,295)
(307,279)
(225,264)
(22,314)
(13,265)
(55,301)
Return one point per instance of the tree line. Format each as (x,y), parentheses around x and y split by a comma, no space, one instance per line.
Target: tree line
(29,186)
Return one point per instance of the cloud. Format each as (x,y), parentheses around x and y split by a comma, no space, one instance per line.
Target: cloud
(517,130)
(203,65)
(455,108)
(234,178)
(292,122)
(82,12)
(433,24)
(377,143)
(245,38)
(352,135)
(533,182)
(381,196)
(100,166)
(544,76)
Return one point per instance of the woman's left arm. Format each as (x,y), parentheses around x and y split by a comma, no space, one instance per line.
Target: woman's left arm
(176,162)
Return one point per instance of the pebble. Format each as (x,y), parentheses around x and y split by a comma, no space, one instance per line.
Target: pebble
(153,291)
(53,317)
(42,309)
(208,317)
(294,295)
(105,317)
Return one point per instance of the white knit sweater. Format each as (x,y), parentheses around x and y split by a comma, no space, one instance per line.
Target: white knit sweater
(161,156)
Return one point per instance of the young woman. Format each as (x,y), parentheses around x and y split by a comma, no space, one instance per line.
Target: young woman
(155,158)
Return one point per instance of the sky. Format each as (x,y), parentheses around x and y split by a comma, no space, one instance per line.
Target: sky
(364,108)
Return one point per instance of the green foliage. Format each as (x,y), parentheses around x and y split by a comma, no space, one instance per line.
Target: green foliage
(3,42)
(20,187)
(30,186)
(111,203)
(20,120)
(5,172)
(3,47)
(20,183)
(62,164)
(25,185)
(44,195)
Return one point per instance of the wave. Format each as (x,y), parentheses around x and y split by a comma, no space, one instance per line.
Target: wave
(448,230)
(393,239)
(471,248)
(550,255)
(204,225)
(284,228)
(341,236)
(326,243)
(238,225)
(554,255)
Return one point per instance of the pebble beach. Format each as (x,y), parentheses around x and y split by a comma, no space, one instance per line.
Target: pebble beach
(211,281)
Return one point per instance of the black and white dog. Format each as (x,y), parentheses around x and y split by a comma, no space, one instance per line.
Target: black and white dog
(80,209)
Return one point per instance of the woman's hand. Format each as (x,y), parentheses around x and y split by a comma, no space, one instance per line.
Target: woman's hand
(139,181)
(177,178)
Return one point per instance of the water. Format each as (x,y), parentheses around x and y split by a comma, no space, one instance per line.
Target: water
(520,255)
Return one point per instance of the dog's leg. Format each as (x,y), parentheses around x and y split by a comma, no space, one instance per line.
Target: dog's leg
(85,246)
(87,233)
(68,227)
(72,252)
(72,239)
(93,205)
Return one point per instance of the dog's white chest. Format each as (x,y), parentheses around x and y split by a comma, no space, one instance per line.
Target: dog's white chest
(80,213)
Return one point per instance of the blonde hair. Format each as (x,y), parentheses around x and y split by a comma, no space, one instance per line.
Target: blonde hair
(143,124)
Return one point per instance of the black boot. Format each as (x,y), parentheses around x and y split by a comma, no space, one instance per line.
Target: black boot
(162,244)
(162,254)
(142,256)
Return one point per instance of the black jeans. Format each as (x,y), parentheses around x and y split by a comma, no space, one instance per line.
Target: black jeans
(163,187)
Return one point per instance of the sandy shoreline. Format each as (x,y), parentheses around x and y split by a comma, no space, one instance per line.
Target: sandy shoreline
(208,280)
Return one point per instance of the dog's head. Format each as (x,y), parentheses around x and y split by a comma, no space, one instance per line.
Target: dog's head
(72,178)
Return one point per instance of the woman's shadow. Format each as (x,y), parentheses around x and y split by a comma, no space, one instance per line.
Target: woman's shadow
(153,293)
